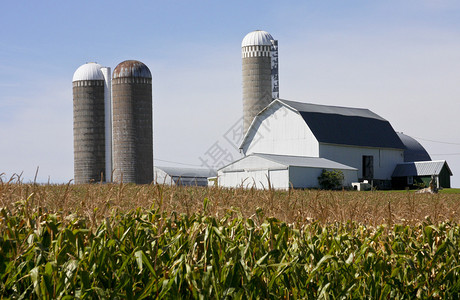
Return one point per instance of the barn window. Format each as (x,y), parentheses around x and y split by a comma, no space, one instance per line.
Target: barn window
(368,167)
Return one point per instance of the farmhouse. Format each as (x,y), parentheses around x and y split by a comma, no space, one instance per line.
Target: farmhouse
(305,138)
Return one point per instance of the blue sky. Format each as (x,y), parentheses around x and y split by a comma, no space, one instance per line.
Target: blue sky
(401,59)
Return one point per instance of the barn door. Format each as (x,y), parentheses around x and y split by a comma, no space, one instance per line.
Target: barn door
(368,167)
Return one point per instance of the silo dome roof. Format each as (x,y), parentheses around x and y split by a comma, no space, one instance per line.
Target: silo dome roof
(257,38)
(88,71)
(131,68)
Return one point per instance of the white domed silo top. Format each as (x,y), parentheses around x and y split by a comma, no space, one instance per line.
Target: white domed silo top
(257,38)
(88,71)
(257,43)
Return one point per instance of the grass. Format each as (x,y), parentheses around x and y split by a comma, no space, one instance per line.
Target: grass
(450,191)
(134,242)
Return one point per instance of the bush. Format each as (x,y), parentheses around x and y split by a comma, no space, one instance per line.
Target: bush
(331,179)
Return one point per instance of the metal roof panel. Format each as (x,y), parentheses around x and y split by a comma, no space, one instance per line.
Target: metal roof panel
(347,126)
(328,109)
(420,168)
(303,161)
(413,150)
(187,172)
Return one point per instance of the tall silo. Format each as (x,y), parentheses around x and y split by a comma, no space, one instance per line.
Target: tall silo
(89,123)
(132,123)
(260,73)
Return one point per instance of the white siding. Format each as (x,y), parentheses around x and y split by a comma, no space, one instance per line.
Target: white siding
(161,177)
(253,171)
(281,130)
(297,177)
(303,177)
(258,179)
(385,160)
(279,179)
(349,176)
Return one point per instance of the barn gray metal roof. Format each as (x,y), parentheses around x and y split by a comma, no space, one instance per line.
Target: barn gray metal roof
(328,109)
(303,161)
(413,150)
(188,172)
(184,176)
(420,168)
(347,126)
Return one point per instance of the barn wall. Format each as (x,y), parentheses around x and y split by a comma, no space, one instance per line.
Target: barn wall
(385,160)
(255,178)
(349,177)
(303,177)
(161,177)
(280,130)
(279,179)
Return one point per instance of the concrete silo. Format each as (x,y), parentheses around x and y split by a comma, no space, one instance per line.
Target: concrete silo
(132,123)
(260,73)
(89,123)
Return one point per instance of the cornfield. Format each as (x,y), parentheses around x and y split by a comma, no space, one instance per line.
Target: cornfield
(135,242)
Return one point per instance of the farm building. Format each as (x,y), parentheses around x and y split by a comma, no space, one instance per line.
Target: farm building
(182,176)
(419,174)
(280,171)
(288,144)
(353,138)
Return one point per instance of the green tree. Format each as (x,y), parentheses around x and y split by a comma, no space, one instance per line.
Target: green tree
(330,179)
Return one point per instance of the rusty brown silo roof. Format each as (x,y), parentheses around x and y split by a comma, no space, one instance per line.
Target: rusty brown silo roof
(131,68)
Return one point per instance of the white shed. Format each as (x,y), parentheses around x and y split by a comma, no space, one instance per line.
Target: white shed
(182,176)
(280,171)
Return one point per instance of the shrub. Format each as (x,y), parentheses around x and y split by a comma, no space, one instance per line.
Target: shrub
(331,179)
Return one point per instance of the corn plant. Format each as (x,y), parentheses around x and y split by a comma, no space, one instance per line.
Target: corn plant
(150,253)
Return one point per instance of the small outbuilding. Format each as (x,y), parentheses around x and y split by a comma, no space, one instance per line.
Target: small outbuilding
(182,176)
(419,174)
(280,172)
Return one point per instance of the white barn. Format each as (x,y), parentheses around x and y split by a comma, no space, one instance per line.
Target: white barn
(351,137)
